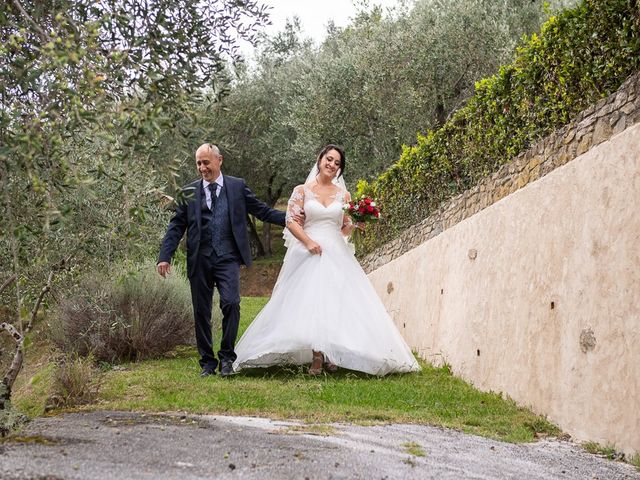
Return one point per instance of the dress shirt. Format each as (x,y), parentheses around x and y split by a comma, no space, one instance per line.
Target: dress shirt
(219,182)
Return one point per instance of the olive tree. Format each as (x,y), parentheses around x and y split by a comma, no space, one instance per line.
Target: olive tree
(250,124)
(89,93)
(369,86)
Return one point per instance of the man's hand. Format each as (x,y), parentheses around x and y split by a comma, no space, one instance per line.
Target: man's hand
(163,269)
(299,217)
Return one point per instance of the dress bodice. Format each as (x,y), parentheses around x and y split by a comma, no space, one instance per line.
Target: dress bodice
(322,223)
(320,217)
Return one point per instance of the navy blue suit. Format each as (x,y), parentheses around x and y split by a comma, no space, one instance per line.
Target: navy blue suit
(206,268)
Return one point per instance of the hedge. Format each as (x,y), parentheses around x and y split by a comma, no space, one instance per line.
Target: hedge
(580,56)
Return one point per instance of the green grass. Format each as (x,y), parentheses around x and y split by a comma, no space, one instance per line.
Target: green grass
(32,401)
(432,396)
(413,448)
(33,385)
(608,451)
(596,448)
(277,243)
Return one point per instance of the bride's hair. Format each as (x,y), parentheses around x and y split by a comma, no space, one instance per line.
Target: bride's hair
(338,149)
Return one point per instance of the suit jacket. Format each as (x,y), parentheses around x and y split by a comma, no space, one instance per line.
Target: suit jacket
(188,217)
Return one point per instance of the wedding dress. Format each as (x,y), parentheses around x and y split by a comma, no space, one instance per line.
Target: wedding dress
(323,302)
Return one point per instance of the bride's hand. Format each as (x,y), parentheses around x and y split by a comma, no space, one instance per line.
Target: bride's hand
(314,248)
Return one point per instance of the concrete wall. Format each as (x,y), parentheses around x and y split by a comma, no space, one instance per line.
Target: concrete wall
(538,294)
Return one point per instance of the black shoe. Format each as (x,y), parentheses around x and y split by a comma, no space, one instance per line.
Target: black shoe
(208,372)
(226,369)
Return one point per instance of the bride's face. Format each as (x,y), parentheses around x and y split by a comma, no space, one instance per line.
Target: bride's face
(330,163)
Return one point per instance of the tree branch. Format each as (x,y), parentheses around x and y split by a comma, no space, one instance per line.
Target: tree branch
(36,307)
(24,13)
(8,282)
(61,265)
(278,193)
(16,364)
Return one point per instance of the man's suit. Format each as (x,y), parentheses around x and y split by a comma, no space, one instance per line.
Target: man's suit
(217,244)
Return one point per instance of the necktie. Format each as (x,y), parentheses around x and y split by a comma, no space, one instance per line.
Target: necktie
(212,188)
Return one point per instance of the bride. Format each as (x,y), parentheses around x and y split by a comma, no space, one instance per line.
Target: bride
(323,309)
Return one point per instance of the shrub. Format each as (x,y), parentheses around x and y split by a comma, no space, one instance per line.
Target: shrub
(131,315)
(581,55)
(75,382)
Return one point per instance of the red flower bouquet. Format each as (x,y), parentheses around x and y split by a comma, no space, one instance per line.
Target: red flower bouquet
(364,209)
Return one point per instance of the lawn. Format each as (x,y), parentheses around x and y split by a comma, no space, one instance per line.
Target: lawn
(433,396)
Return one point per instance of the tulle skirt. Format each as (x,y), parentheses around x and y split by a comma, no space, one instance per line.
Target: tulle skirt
(324,303)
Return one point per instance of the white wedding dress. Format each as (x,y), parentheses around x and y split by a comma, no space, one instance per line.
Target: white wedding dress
(324,303)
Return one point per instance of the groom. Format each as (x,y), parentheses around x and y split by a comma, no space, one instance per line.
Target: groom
(214,215)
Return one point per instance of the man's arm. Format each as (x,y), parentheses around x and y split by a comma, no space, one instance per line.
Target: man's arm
(175,231)
(261,210)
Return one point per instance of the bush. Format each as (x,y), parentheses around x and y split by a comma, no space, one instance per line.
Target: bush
(581,55)
(134,314)
(75,382)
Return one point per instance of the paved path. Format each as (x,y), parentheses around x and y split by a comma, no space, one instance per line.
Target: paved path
(117,445)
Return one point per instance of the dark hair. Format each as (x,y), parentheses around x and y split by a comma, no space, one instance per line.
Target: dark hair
(338,149)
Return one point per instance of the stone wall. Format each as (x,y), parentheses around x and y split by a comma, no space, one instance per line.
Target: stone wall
(529,284)
(595,125)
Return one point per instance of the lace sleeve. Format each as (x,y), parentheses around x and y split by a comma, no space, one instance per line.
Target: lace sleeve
(295,204)
(346,219)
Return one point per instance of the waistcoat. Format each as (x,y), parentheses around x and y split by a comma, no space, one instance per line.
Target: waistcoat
(216,234)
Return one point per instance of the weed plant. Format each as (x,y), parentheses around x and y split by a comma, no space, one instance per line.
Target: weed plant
(75,382)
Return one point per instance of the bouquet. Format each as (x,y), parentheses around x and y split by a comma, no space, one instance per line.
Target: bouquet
(362,210)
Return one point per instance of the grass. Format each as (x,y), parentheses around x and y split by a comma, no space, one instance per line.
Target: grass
(34,383)
(432,396)
(597,449)
(277,244)
(413,448)
(607,451)
(317,429)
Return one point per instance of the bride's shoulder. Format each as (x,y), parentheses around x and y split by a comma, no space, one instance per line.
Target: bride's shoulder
(341,191)
(306,187)
(298,192)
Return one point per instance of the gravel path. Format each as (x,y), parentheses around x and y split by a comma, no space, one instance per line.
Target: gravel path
(118,445)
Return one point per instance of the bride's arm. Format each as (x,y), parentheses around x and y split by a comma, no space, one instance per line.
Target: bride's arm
(347,223)
(294,207)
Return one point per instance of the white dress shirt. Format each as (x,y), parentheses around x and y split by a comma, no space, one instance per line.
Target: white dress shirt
(205,185)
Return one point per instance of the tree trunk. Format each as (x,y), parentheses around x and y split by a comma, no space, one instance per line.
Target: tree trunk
(18,334)
(16,364)
(9,224)
(266,239)
(441,114)
(257,248)
(273,195)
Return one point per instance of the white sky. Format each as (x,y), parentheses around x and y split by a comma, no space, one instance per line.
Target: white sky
(315,15)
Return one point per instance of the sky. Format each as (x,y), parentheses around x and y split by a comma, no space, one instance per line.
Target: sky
(314,15)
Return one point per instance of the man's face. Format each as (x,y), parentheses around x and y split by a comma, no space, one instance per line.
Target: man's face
(208,164)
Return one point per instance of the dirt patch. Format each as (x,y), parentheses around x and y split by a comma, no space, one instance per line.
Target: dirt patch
(258,281)
(127,420)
